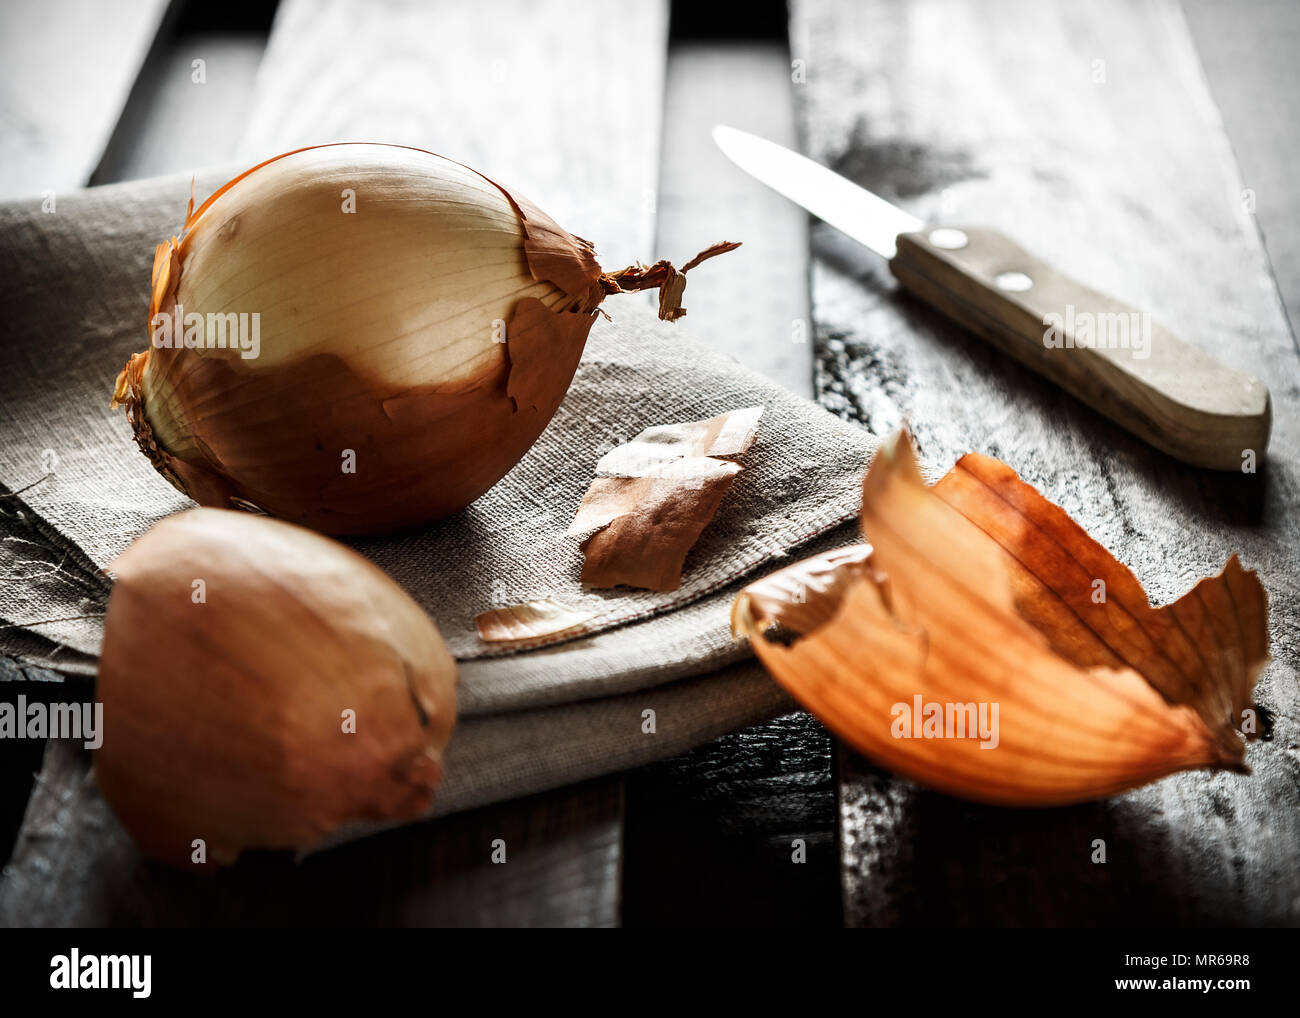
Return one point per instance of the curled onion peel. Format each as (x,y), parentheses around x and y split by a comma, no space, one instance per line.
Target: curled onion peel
(409,349)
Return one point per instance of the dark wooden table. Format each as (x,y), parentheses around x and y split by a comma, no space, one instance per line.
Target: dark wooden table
(938,105)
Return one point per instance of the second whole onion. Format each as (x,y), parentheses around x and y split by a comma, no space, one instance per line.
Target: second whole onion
(361,338)
(262,687)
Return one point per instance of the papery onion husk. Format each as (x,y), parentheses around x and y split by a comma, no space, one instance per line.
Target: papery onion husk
(419,325)
(530,623)
(978,594)
(653,496)
(234,648)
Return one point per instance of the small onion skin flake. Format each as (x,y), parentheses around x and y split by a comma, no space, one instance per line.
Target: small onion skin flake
(528,624)
(418,326)
(263,686)
(652,498)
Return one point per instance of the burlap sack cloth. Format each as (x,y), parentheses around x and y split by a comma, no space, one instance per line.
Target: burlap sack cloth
(75,293)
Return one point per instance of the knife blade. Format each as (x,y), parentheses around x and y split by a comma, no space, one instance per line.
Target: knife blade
(1169,393)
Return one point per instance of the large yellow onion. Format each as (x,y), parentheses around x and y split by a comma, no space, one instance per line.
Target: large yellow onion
(262,686)
(417,327)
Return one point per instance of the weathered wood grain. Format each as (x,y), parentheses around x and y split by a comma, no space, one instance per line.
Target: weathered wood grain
(753,304)
(67,71)
(703,831)
(1249,52)
(738,833)
(178,122)
(1087,133)
(563,101)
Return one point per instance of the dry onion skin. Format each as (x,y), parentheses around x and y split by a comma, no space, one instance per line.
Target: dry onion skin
(984,645)
(518,626)
(262,686)
(653,497)
(417,326)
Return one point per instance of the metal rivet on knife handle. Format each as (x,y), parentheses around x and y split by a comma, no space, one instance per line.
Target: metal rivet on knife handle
(1013,282)
(948,239)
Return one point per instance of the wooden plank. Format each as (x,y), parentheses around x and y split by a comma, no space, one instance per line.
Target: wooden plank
(521,103)
(702,831)
(517,91)
(1090,137)
(560,100)
(175,124)
(67,71)
(740,832)
(754,305)
(1249,55)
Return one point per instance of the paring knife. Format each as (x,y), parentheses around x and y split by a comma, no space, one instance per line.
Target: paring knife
(1114,358)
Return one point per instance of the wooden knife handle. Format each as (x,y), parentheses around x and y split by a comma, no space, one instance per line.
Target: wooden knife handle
(1113,357)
